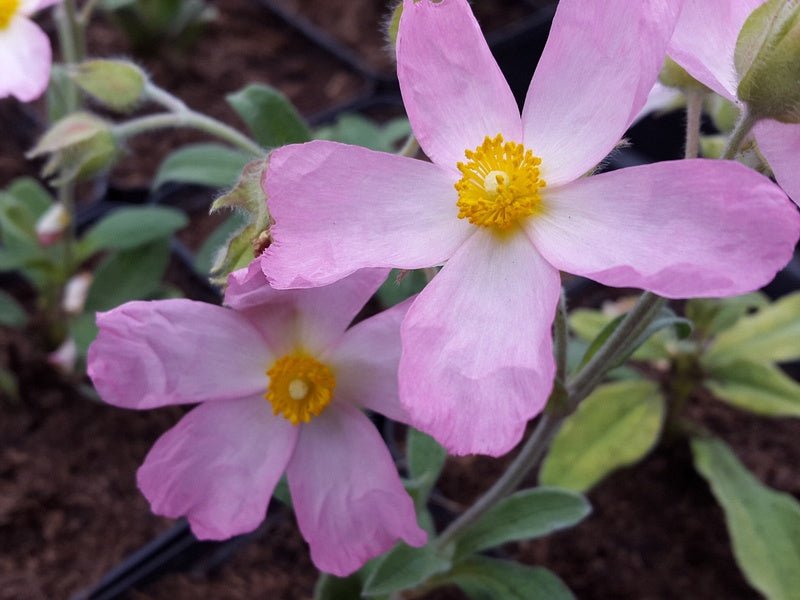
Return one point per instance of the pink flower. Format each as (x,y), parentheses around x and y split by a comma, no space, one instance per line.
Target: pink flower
(704,44)
(281,383)
(504,206)
(25,54)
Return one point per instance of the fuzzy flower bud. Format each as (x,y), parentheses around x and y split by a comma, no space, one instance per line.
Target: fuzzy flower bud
(768,61)
(80,146)
(52,224)
(116,84)
(675,76)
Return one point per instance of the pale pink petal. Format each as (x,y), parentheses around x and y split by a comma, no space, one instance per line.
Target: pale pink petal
(598,67)
(477,361)
(150,354)
(366,363)
(453,90)
(705,40)
(340,208)
(25,59)
(347,495)
(218,467)
(315,317)
(780,145)
(680,229)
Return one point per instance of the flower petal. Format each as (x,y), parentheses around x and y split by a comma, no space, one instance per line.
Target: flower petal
(315,318)
(347,495)
(477,360)
(340,208)
(453,90)
(366,363)
(780,145)
(598,67)
(25,59)
(219,466)
(704,41)
(150,354)
(680,229)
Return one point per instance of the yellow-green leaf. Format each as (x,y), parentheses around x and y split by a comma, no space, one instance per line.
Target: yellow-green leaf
(614,427)
(764,524)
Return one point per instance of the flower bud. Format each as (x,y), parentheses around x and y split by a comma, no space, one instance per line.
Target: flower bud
(116,84)
(52,224)
(80,146)
(75,293)
(675,76)
(393,26)
(65,357)
(768,61)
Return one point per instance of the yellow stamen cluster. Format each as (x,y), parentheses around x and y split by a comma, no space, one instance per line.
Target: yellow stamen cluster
(300,387)
(8,8)
(500,185)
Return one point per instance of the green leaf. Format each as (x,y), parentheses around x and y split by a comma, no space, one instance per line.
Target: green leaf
(615,426)
(760,388)
(128,275)
(425,462)
(770,335)
(404,567)
(270,116)
(131,227)
(83,329)
(525,515)
(11,313)
(484,578)
(32,194)
(712,315)
(329,587)
(211,165)
(360,131)
(206,255)
(400,286)
(764,524)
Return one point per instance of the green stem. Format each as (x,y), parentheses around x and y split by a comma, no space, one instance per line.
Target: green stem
(617,344)
(528,457)
(86,13)
(188,119)
(560,339)
(740,132)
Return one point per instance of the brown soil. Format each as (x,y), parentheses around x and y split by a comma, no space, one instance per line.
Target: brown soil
(69,507)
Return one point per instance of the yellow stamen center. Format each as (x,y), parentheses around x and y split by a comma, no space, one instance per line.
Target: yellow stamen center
(8,8)
(500,184)
(300,387)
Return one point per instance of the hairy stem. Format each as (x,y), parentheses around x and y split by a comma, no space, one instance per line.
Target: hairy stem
(188,119)
(740,132)
(694,112)
(528,457)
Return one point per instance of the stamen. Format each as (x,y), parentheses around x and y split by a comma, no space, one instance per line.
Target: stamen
(8,8)
(500,184)
(300,387)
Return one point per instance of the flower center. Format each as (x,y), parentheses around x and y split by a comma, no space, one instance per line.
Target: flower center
(300,387)
(500,184)
(8,8)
